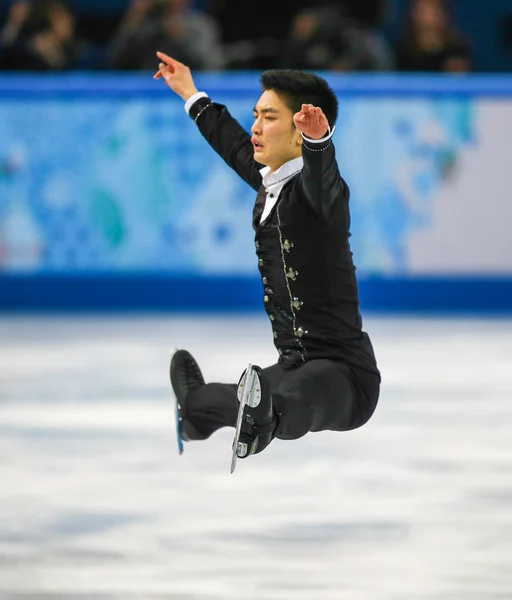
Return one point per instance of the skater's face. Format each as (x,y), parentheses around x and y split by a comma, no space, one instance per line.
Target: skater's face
(276,140)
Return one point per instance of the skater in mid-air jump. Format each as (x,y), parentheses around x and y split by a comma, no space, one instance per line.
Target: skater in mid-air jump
(326,377)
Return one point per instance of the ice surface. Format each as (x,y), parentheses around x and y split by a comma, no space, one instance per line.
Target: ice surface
(96,503)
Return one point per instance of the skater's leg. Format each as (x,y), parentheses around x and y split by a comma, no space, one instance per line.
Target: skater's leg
(211,407)
(319,395)
(215,405)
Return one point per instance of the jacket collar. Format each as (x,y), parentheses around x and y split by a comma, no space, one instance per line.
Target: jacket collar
(289,169)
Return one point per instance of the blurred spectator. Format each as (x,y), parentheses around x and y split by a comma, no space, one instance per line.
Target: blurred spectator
(39,36)
(430,41)
(328,37)
(247,20)
(170,26)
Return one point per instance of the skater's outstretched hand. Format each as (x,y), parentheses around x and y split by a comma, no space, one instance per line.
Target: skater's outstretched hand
(177,76)
(312,122)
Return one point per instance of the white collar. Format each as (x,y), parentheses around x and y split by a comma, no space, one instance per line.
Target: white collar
(284,172)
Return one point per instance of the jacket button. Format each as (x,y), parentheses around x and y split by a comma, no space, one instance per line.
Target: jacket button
(275,335)
(272,318)
(287,245)
(300,332)
(292,274)
(261,262)
(257,245)
(265,298)
(297,304)
(264,281)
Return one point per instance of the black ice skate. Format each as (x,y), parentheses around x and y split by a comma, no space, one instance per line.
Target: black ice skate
(185,376)
(256,422)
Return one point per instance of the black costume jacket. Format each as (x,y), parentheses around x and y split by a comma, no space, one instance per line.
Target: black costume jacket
(304,257)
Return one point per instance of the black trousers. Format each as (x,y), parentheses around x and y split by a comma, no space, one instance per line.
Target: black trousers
(318,395)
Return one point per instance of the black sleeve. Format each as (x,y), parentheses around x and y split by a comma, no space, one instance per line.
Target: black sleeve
(320,181)
(228,138)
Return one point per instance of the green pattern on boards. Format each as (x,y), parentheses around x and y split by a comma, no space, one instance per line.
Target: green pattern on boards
(108,217)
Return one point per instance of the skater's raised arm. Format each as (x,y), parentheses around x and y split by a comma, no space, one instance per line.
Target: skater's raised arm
(320,179)
(224,133)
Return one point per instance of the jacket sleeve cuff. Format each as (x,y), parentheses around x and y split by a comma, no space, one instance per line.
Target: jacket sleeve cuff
(193,99)
(199,107)
(327,138)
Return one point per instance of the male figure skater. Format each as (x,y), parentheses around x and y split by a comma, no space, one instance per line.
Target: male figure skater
(326,377)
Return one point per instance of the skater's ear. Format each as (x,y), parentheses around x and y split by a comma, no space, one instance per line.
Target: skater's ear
(298,139)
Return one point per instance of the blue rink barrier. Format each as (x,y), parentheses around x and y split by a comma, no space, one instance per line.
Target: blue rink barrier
(108,84)
(241,294)
(111,200)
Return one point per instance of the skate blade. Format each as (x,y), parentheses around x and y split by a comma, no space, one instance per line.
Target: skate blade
(176,408)
(249,394)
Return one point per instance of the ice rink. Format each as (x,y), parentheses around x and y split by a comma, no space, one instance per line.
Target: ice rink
(96,503)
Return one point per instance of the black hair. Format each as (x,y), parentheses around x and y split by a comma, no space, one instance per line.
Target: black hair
(296,88)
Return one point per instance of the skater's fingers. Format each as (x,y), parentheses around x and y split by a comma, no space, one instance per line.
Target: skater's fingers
(170,62)
(168,75)
(160,72)
(309,109)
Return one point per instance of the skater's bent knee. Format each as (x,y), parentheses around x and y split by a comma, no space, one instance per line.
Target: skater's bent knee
(362,416)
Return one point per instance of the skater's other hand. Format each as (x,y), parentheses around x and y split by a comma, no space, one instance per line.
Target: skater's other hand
(177,76)
(312,122)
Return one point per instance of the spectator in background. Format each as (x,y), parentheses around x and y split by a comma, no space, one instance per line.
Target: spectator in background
(39,36)
(328,37)
(190,36)
(430,41)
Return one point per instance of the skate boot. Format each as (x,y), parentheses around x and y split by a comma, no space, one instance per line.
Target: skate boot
(256,421)
(185,376)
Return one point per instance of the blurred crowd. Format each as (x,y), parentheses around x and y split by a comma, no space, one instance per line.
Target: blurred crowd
(340,35)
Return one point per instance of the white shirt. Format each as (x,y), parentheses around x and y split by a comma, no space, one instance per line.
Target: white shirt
(273,182)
